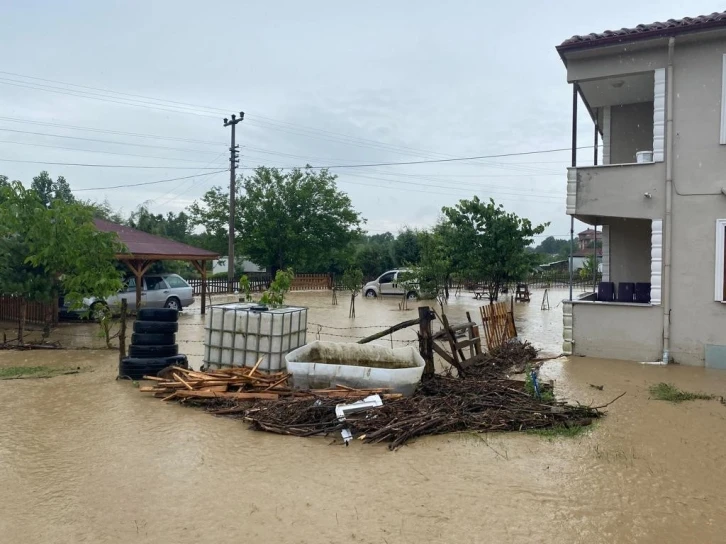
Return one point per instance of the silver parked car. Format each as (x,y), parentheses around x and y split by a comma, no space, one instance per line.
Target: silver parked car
(158,291)
(389,283)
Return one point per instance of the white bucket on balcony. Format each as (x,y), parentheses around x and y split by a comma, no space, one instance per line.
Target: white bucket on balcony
(643,156)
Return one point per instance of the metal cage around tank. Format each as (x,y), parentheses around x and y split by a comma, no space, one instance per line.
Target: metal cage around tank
(239,334)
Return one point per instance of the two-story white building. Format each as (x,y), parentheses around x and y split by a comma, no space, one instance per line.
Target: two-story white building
(656,96)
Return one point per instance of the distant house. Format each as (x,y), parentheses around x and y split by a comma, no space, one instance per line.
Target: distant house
(220,265)
(655,185)
(588,238)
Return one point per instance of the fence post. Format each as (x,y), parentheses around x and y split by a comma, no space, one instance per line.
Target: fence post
(21,320)
(425,340)
(122,331)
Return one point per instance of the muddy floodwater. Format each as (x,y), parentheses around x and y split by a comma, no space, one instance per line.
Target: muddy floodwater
(85,458)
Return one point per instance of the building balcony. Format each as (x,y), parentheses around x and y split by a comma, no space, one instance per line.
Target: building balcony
(617,190)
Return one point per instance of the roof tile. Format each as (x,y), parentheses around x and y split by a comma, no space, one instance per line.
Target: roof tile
(643,31)
(140,244)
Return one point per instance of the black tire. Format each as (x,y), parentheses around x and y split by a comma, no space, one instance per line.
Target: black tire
(411,295)
(158,314)
(133,368)
(371,293)
(152,339)
(155,326)
(151,352)
(173,303)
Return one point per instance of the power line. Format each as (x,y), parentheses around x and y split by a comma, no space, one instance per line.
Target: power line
(191,186)
(428,161)
(80,150)
(147,182)
(467,189)
(196,106)
(186,150)
(108,165)
(117,132)
(272,123)
(79,94)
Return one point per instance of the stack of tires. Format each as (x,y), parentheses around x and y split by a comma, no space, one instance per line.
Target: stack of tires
(153,344)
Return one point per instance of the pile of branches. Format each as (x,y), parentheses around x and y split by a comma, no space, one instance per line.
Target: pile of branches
(511,357)
(441,405)
(482,401)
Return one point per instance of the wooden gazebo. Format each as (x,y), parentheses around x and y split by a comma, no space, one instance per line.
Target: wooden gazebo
(143,249)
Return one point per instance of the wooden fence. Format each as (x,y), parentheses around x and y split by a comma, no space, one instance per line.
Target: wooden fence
(311,282)
(35,312)
(259,281)
(498,322)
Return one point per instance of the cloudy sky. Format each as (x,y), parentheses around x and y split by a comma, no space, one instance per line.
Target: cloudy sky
(325,83)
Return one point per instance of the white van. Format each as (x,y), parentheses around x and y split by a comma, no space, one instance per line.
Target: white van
(388,284)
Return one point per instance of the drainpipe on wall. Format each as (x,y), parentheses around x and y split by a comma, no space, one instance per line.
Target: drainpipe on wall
(668,207)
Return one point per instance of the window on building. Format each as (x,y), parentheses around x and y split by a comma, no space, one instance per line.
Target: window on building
(720,261)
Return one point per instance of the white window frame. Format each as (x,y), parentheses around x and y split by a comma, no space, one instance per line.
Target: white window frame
(723,99)
(720,241)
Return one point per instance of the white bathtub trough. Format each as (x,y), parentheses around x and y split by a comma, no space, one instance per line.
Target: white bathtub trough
(320,365)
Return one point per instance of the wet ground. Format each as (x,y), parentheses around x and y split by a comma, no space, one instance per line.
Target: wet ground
(84,458)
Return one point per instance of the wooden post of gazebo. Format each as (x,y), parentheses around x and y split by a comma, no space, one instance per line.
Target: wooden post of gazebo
(139,268)
(201,267)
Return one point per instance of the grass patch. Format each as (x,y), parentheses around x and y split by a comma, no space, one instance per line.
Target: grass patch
(26,372)
(670,393)
(559,431)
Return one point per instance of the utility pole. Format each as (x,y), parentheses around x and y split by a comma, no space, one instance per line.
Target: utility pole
(233,160)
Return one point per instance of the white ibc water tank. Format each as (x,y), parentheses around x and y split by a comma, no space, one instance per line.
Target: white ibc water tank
(238,334)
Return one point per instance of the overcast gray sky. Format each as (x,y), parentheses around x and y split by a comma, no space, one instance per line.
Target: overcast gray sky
(320,83)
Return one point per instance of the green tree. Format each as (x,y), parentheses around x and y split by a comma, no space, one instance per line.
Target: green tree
(211,213)
(488,244)
(435,267)
(353,282)
(54,249)
(406,248)
(49,190)
(588,268)
(297,219)
(373,259)
(552,246)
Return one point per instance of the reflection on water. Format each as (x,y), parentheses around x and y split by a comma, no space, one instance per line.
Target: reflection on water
(84,458)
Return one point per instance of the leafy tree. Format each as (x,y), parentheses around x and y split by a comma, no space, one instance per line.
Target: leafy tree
(552,246)
(275,295)
(373,259)
(488,244)
(588,268)
(49,190)
(103,210)
(212,215)
(53,249)
(435,267)
(406,248)
(298,219)
(353,282)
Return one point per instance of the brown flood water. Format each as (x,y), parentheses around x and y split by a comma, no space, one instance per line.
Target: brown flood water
(84,458)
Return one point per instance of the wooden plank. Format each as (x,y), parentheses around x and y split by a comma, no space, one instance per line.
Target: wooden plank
(179,378)
(228,395)
(442,353)
(257,365)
